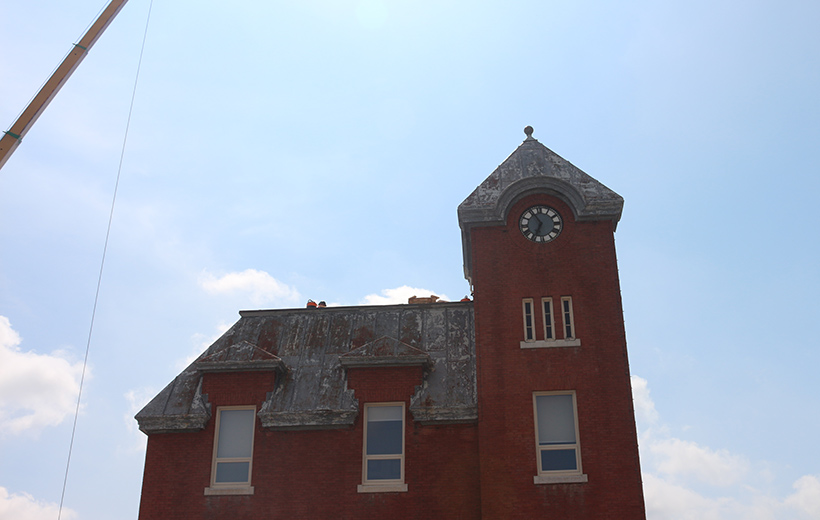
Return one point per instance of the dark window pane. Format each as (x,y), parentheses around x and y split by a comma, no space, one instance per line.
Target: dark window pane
(232,471)
(558,460)
(528,333)
(384,469)
(384,438)
(548,320)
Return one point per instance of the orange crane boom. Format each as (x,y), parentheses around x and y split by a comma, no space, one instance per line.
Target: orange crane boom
(12,138)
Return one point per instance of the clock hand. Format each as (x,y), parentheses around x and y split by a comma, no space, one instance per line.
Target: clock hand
(538,229)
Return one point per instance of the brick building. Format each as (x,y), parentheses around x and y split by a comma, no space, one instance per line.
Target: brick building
(516,404)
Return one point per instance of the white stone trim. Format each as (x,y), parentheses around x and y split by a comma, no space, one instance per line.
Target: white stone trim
(560,479)
(245,490)
(382,488)
(575,342)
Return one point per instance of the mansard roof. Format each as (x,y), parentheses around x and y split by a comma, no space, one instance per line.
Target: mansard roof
(534,168)
(312,350)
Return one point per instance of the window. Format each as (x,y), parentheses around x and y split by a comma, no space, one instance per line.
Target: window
(383,468)
(233,448)
(558,451)
(529,326)
(569,323)
(549,321)
(548,312)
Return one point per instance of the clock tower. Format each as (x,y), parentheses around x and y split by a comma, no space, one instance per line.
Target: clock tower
(556,430)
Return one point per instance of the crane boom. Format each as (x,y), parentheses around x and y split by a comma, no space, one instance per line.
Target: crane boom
(12,138)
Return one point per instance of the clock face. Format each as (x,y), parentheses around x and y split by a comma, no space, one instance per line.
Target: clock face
(540,224)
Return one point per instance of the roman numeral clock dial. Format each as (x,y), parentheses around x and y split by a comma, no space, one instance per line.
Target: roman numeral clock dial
(540,224)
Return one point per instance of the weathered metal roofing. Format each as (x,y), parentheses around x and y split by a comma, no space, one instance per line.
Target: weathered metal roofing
(385,352)
(534,168)
(312,349)
(240,357)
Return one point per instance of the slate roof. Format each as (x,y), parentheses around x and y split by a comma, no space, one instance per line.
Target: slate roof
(312,349)
(534,168)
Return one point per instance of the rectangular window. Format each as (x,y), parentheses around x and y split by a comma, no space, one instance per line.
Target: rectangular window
(383,447)
(569,323)
(556,432)
(529,326)
(233,446)
(549,321)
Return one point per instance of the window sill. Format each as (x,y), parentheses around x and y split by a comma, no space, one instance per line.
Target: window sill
(559,479)
(382,488)
(240,490)
(551,343)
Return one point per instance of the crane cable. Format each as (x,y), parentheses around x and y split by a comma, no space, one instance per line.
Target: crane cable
(102,262)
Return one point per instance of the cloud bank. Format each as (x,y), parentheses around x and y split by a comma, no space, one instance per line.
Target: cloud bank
(36,390)
(259,286)
(24,507)
(398,295)
(686,481)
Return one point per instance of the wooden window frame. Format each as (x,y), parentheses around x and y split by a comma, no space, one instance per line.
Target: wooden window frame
(383,485)
(548,318)
(558,476)
(568,318)
(529,330)
(231,488)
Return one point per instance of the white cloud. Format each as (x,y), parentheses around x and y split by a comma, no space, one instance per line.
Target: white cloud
(684,480)
(36,390)
(399,295)
(261,287)
(667,501)
(23,506)
(807,497)
(645,412)
(685,458)
(8,336)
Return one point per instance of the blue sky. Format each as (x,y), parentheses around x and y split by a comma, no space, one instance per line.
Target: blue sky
(319,149)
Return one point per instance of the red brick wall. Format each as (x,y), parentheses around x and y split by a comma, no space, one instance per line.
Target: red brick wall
(178,465)
(315,474)
(580,263)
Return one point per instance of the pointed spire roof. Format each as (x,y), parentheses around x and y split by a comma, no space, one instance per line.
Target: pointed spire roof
(534,168)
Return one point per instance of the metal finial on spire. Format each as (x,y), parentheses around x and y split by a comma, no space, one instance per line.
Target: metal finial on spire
(528,131)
